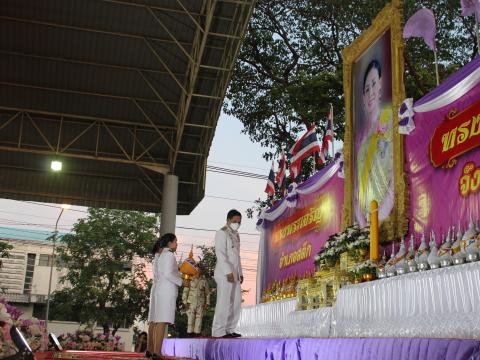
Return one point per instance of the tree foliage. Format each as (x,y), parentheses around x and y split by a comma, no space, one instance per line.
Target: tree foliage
(4,251)
(207,260)
(290,65)
(105,281)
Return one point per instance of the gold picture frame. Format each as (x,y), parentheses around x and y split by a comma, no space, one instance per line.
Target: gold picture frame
(389,19)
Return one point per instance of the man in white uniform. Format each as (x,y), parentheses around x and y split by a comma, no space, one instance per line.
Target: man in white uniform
(228,276)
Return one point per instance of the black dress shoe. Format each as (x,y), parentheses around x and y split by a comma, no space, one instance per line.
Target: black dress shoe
(148,354)
(235,335)
(227,336)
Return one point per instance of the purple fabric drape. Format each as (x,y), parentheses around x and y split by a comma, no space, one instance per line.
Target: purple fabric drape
(324,349)
(451,81)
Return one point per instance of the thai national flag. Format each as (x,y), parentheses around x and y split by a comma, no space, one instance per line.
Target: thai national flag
(281,178)
(329,132)
(270,189)
(305,146)
(328,137)
(322,155)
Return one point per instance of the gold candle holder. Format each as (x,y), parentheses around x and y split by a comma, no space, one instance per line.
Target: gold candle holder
(374,230)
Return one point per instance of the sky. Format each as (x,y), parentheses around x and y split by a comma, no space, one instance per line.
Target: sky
(230,149)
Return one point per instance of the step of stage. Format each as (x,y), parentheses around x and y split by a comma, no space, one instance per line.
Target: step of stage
(324,349)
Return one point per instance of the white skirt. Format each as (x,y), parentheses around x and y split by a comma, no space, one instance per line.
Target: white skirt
(163,302)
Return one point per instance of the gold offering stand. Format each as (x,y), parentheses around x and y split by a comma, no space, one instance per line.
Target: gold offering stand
(321,290)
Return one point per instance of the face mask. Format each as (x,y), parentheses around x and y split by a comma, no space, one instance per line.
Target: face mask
(234,226)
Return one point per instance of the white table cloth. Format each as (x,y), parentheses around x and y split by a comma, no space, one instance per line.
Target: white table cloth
(436,303)
(280,320)
(442,303)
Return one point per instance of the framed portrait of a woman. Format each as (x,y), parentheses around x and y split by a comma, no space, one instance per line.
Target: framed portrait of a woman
(373,149)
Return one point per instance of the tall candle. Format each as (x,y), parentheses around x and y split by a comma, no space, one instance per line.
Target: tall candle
(374,230)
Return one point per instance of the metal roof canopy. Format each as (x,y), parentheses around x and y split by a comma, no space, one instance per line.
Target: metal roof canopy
(121,91)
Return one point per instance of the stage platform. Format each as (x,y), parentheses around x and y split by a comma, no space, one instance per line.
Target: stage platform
(95,355)
(324,349)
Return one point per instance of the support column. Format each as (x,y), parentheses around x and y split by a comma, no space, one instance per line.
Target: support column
(169,204)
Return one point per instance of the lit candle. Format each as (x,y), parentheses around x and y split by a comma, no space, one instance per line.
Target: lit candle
(374,230)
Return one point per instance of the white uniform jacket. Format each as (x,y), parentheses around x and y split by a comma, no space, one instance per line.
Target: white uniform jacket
(166,280)
(227,250)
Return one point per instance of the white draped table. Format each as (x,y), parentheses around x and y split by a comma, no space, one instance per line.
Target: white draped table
(280,320)
(442,303)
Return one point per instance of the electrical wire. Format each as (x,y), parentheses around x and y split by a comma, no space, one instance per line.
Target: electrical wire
(227,198)
(236,165)
(244,174)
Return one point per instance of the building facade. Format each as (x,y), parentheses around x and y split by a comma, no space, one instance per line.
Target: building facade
(25,278)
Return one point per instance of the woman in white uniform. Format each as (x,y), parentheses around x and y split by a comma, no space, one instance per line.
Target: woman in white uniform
(163,296)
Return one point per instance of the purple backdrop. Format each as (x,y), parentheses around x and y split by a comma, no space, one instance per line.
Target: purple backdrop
(319,202)
(435,200)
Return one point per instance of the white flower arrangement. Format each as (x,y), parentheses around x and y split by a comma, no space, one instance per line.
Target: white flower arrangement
(365,267)
(361,242)
(351,238)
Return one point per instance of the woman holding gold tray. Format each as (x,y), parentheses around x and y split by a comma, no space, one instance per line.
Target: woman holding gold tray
(163,296)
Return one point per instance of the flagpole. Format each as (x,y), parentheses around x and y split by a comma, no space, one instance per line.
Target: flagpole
(477,33)
(436,66)
(333,139)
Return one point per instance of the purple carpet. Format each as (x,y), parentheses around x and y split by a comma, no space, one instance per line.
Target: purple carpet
(324,349)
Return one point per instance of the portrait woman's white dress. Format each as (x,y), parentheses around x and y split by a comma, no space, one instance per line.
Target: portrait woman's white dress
(163,296)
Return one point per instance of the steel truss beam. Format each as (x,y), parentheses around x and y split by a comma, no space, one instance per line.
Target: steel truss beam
(239,26)
(232,45)
(81,119)
(91,30)
(198,48)
(90,174)
(105,65)
(159,99)
(60,145)
(163,8)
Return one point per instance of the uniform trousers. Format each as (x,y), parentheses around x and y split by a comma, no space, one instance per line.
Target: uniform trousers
(195,317)
(227,309)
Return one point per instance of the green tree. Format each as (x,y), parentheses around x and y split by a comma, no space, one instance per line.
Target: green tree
(207,260)
(4,251)
(105,282)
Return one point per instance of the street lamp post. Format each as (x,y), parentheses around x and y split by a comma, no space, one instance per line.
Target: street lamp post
(64,207)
